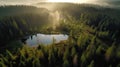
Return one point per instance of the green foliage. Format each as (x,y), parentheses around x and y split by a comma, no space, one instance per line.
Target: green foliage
(66,54)
(2,64)
(110,52)
(118,52)
(66,63)
(51,57)
(99,50)
(89,43)
(83,59)
(36,63)
(118,65)
(75,60)
(73,52)
(91,64)
(15,25)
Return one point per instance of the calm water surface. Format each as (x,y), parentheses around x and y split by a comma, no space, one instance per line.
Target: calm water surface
(46,39)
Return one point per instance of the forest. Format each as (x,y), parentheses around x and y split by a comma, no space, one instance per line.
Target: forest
(93,41)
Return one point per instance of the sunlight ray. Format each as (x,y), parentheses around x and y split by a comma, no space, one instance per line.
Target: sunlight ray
(70,1)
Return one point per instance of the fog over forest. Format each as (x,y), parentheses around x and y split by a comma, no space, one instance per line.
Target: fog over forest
(114,3)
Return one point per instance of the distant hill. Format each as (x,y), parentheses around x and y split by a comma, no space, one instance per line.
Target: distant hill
(20,9)
(76,10)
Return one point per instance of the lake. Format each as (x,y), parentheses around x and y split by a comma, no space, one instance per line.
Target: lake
(46,39)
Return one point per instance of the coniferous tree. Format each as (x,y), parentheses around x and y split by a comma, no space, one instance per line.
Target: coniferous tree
(110,52)
(91,64)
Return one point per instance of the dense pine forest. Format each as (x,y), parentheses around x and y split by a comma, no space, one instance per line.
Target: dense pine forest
(93,31)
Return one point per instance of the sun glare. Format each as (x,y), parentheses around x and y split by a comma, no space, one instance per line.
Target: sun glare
(70,1)
(61,0)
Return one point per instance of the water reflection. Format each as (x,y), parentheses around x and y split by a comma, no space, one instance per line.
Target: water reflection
(46,39)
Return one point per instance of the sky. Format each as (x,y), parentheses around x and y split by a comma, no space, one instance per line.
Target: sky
(12,2)
(28,2)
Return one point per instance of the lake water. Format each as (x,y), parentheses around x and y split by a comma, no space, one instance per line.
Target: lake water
(46,39)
